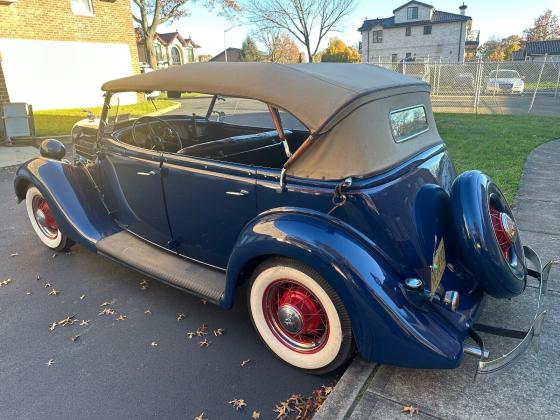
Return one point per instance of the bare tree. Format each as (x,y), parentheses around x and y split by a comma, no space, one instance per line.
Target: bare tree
(308,21)
(280,47)
(153,13)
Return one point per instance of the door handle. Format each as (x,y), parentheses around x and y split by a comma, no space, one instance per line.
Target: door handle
(148,173)
(238,193)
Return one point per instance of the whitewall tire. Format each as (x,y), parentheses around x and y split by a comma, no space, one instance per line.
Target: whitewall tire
(43,222)
(299,316)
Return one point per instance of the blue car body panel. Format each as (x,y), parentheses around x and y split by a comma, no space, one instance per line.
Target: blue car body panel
(385,232)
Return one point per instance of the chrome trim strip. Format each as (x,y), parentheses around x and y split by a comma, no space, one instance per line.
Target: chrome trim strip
(486,367)
(476,351)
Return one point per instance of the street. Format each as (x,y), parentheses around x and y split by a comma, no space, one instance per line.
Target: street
(140,365)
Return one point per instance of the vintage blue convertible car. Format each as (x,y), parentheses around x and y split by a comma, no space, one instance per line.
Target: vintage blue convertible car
(344,216)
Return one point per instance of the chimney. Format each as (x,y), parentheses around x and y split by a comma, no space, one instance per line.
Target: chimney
(462,8)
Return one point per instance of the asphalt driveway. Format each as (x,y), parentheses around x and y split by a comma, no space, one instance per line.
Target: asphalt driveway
(141,365)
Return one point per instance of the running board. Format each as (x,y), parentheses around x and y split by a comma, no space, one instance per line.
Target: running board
(162,265)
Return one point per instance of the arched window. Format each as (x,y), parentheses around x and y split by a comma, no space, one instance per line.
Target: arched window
(175,56)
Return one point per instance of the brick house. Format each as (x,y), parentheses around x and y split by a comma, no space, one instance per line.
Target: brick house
(419,31)
(171,49)
(57,53)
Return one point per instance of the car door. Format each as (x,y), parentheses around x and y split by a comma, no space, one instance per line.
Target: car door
(131,178)
(208,204)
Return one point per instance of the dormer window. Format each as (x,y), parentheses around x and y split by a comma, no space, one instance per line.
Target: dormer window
(412,13)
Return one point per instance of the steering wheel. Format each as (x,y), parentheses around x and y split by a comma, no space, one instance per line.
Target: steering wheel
(167,135)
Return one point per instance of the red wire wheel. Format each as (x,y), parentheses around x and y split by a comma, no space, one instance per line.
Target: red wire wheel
(299,316)
(44,217)
(295,315)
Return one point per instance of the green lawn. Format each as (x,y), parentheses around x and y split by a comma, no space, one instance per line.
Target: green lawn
(495,144)
(60,121)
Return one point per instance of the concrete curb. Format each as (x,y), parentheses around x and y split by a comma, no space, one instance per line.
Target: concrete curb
(347,391)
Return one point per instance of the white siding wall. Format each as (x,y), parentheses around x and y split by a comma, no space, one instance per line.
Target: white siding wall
(424,13)
(59,74)
(443,42)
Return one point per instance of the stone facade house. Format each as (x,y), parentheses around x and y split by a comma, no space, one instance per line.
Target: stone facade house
(57,53)
(171,49)
(417,31)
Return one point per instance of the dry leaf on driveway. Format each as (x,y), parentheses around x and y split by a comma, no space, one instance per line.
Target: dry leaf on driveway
(120,318)
(180,317)
(85,322)
(144,284)
(237,404)
(204,343)
(200,417)
(256,415)
(245,362)
(50,362)
(411,410)
(5,282)
(75,337)
(54,292)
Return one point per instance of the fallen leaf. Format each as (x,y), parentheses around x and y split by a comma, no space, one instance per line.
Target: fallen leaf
(203,301)
(69,320)
(282,410)
(148,312)
(202,330)
(74,337)
(191,334)
(82,297)
(105,304)
(411,410)
(120,318)
(54,255)
(54,292)
(245,362)
(106,311)
(237,404)
(5,282)
(200,417)
(15,254)
(50,362)
(180,317)
(47,285)
(85,322)
(154,344)
(38,277)
(28,293)
(219,331)
(53,326)
(144,284)
(256,415)
(204,343)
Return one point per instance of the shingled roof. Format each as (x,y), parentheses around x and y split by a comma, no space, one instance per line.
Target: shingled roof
(437,17)
(550,47)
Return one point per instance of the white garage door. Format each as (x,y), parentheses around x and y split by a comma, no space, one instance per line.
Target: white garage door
(57,74)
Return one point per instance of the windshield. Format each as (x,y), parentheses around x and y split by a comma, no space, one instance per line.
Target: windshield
(505,74)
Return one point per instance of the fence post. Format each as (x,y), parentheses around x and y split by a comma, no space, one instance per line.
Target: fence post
(439,77)
(538,83)
(557,79)
(404,67)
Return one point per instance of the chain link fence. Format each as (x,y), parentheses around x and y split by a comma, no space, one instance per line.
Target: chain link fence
(510,87)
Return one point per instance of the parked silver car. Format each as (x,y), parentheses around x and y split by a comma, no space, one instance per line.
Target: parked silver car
(505,81)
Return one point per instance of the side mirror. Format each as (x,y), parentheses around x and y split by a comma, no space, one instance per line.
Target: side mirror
(52,149)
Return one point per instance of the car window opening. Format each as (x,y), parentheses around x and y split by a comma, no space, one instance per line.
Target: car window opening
(235,130)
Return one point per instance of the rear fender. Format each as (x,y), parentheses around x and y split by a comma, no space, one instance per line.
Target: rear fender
(73,199)
(385,326)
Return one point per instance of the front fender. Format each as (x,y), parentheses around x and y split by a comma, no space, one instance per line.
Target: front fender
(386,328)
(75,203)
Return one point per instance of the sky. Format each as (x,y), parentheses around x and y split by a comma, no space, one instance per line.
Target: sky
(493,18)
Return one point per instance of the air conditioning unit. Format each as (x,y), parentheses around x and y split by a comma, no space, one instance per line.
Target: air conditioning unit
(16,122)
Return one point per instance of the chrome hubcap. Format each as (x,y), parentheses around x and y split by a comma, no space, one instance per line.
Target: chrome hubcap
(290,319)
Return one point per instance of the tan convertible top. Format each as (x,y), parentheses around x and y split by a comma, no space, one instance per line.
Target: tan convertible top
(346,107)
(311,92)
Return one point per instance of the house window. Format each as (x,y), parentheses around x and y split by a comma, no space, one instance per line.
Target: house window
(408,31)
(412,13)
(428,30)
(175,56)
(394,58)
(82,7)
(159,54)
(377,37)
(190,55)
(408,56)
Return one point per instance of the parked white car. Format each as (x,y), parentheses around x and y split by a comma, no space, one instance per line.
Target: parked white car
(507,81)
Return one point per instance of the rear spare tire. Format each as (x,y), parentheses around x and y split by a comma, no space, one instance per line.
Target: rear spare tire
(487,235)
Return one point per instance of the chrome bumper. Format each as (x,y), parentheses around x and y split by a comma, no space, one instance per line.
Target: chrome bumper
(486,366)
